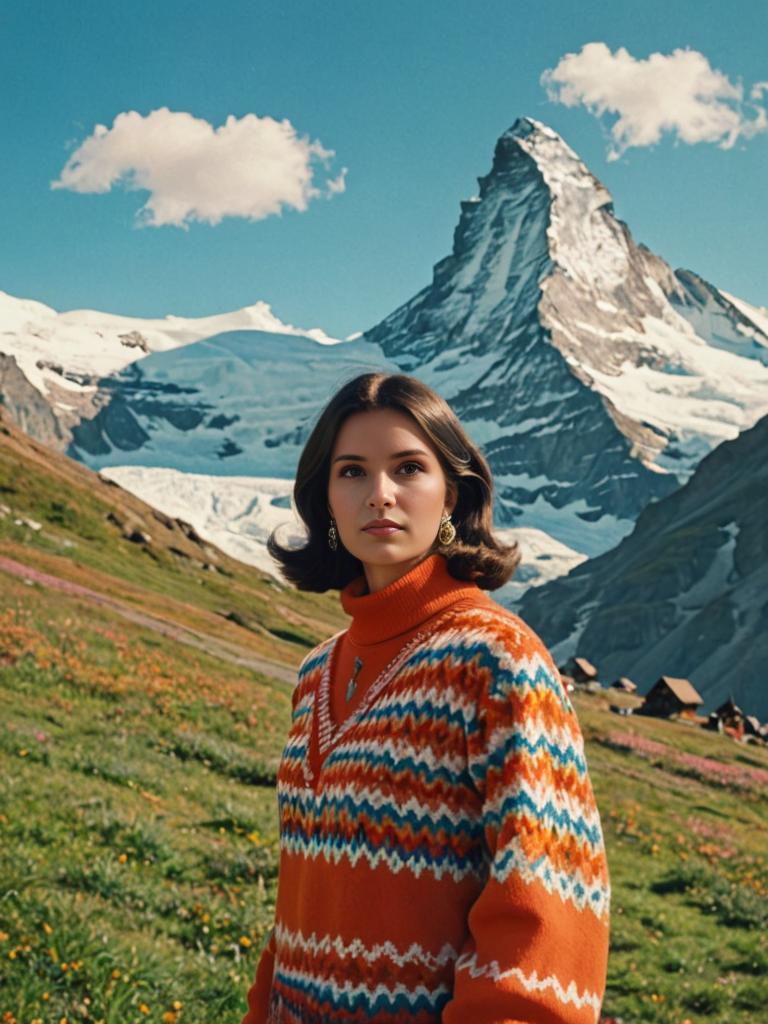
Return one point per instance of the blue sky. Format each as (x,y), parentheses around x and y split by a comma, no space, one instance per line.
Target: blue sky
(410,96)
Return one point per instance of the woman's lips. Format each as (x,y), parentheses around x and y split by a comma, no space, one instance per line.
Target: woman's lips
(382,531)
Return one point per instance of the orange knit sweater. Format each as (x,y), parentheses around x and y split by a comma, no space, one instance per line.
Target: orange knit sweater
(441,852)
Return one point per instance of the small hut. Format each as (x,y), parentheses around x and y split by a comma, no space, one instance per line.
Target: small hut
(581,671)
(624,683)
(731,715)
(751,725)
(672,696)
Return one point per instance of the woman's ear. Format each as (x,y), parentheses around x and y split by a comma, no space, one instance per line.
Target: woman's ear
(451,496)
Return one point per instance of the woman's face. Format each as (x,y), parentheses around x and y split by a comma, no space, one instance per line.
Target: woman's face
(384,467)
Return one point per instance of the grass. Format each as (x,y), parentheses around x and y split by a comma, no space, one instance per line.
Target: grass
(138,825)
(137,820)
(139,835)
(687,854)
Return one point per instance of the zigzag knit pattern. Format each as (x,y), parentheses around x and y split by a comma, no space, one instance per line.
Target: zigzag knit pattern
(442,857)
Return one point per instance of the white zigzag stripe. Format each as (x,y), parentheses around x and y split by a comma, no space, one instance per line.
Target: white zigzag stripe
(390,858)
(503,652)
(296,748)
(398,750)
(305,705)
(378,799)
(458,703)
(533,730)
(313,945)
(371,995)
(531,982)
(562,883)
(542,793)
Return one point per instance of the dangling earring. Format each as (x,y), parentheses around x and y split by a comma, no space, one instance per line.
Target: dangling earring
(447,532)
(333,537)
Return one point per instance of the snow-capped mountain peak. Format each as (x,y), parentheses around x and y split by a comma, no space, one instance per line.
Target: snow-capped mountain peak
(549,322)
(69,352)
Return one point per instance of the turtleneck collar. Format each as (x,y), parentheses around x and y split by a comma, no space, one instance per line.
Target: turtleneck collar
(405,603)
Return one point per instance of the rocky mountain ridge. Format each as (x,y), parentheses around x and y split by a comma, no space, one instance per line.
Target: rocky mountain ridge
(685,594)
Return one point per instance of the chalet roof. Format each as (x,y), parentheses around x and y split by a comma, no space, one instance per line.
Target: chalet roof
(729,707)
(586,666)
(624,683)
(683,689)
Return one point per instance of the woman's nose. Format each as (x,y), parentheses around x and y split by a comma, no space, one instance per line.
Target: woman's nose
(381,491)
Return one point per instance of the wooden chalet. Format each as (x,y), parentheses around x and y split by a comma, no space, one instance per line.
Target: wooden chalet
(730,714)
(624,683)
(672,696)
(580,670)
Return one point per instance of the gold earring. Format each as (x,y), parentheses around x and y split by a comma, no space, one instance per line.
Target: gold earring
(447,532)
(333,537)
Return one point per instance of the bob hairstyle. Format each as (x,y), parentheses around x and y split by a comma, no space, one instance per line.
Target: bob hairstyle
(474,555)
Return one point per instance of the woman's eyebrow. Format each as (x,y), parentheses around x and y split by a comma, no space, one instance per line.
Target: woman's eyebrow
(394,455)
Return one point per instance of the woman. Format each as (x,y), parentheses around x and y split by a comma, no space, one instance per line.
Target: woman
(441,856)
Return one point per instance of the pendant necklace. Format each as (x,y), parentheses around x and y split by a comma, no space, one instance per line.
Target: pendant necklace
(352,684)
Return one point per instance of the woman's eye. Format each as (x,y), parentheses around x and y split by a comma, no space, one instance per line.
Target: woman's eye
(410,468)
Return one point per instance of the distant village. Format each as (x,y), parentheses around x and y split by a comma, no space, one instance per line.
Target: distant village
(669,697)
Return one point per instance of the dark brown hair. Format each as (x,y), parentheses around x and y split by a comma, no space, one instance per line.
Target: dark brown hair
(475,554)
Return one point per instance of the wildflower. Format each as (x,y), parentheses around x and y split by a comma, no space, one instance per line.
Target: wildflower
(123,858)
(177,1004)
(115,973)
(245,941)
(143,1008)
(47,928)
(169,1017)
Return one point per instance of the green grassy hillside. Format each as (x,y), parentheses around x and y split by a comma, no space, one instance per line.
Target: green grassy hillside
(137,808)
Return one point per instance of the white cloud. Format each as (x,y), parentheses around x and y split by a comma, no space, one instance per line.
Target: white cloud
(248,167)
(678,93)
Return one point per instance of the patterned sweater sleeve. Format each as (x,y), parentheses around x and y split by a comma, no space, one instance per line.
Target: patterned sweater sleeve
(259,992)
(537,937)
